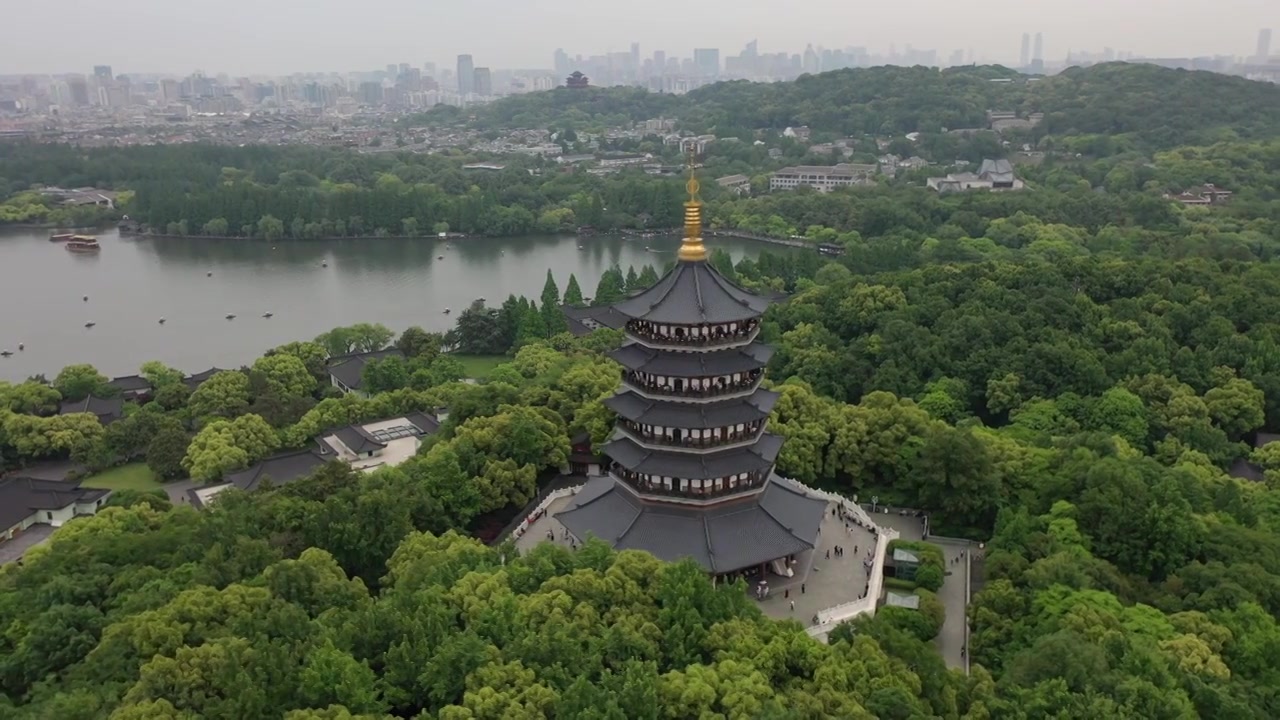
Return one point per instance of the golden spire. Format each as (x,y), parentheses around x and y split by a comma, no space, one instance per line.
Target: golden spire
(692,248)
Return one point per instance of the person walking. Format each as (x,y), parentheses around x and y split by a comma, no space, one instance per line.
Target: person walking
(793,607)
(801,588)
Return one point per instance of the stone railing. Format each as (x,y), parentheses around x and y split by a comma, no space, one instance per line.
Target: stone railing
(830,618)
(541,510)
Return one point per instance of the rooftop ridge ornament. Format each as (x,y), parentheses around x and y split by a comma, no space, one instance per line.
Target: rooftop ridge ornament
(692,249)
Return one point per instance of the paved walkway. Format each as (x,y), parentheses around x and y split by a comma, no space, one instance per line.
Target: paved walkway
(821,582)
(177,490)
(11,550)
(953,593)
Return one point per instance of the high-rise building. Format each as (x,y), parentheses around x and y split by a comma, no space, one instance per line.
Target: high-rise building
(812,64)
(482,83)
(690,462)
(79,91)
(707,61)
(659,62)
(1025,58)
(1038,55)
(466,75)
(102,73)
(1264,46)
(635,55)
(429,69)
(370,93)
(561,62)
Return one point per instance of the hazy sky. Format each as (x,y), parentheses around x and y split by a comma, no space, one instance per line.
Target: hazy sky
(283,36)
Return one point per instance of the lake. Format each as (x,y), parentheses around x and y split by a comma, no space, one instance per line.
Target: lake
(310,287)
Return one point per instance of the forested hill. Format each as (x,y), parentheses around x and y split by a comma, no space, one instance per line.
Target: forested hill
(1162,107)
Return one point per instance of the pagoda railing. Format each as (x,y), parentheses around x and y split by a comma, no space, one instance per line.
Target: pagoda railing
(724,442)
(710,390)
(647,335)
(654,487)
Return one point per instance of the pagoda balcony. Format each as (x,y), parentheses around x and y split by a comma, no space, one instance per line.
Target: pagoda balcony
(710,491)
(666,337)
(711,391)
(723,441)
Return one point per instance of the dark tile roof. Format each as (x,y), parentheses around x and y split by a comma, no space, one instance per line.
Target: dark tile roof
(691,294)
(194,381)
(21,496)
(777,522)
(1245,470)
(428,424)
(582,320)
(358,440)
(282,469)
(131,383)
(1263,438)
(693,415)
(635,356)
(349,369)
(760,456)
(108,410)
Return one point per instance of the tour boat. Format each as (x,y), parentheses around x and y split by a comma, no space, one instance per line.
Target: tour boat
(83,244)
(61,237)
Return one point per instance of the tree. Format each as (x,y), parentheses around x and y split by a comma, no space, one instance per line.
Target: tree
(29,398)
(368,337)
(573,293)
(166,452)
(77,382)
(226,445)
(289,372)
(953,473)
(217,227)
(417,343)
(161,375)
(611,287)
(270,228)
(225,395)
(552,317)
(384,375)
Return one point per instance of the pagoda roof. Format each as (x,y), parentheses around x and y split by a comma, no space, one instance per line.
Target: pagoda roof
(694,466)
(635,356)
(693,293)
(778,521)
(636,408)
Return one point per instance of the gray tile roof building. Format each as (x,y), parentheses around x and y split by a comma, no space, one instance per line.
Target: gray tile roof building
(349,369)
(107,410)
(635,356)
(736,534)
(22,497)
(690,473)
(634,407)
(693,293)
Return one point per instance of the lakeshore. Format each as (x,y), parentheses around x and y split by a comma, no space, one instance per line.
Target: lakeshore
(309,286)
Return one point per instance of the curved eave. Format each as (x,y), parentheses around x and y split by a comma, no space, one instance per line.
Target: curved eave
(633,457)
(693,293)
(733,535)
(634,356)
(635,408)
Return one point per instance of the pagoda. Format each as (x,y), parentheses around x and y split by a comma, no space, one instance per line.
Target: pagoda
(577,81)
(690,462)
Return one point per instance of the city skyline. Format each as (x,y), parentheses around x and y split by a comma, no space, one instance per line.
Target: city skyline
(504,34)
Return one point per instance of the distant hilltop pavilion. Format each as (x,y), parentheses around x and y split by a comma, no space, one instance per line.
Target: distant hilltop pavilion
(577,80)
(690,462)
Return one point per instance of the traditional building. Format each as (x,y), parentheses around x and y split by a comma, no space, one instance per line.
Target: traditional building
(690,463)
(577,81)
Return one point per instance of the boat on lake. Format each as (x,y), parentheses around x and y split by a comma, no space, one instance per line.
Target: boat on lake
(61,237)
(83,244)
